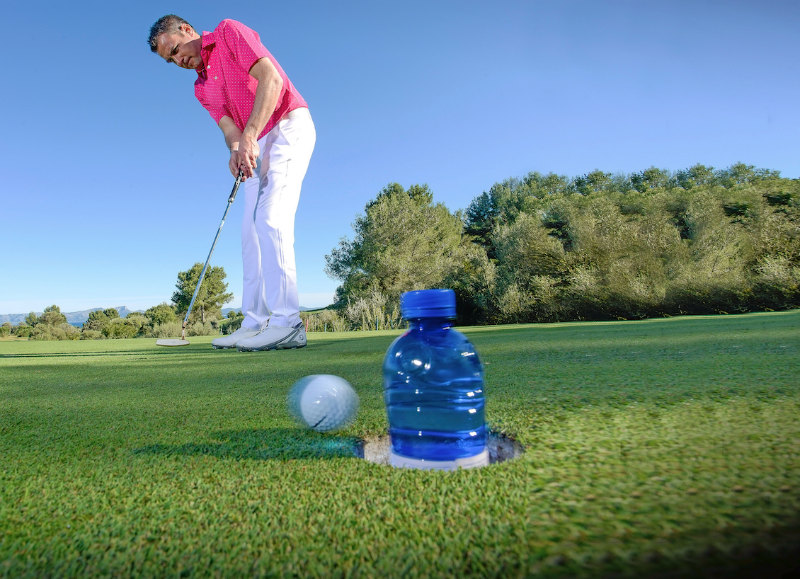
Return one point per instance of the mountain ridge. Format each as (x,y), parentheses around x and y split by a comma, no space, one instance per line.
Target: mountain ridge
(78,318)
(74,318)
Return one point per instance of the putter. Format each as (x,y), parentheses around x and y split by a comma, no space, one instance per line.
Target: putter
(183,341)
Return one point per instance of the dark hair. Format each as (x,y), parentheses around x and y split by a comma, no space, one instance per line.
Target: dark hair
(168,24)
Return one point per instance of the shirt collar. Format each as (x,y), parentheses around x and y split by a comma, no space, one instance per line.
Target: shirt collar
(209,40)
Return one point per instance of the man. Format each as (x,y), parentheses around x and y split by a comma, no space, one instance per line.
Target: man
(271,136)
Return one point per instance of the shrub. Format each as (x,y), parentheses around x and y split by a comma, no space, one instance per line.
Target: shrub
(119,328)
(325,321)
(47,333)
(232,323)
(91,335)
(23,330)
(99,319)
(70,332)
(474,281)
(201,329)
(166,330)
(538,300)
(375,311)
(777,282)
(140,322)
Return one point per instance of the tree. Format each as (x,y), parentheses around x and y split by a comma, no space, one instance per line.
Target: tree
(99,319)
(52,316)
(650,179)
(480,219)
(161,314)
(23,330)
(211,296)
(593,182)
(473,280)
(739,173)
(650,243)
(31,319)
(120,328)
(403,241)
(695,176)
(139,322)
(507,200)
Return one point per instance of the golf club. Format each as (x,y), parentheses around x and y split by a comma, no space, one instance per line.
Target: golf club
(183,341)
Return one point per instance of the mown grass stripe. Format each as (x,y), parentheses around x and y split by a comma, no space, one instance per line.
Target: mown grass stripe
(653,445)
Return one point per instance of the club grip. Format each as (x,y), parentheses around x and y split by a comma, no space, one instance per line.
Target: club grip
(235,187)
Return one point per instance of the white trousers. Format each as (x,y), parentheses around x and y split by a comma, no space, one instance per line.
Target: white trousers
(270,202)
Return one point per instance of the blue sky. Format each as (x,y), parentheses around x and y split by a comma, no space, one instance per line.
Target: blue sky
(113,178)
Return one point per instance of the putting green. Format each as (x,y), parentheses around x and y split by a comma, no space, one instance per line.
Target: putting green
(650,446)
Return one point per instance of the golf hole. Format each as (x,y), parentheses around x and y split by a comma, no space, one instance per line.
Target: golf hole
(501,449)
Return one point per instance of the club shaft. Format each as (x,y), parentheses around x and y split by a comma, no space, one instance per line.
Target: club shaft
(210,253)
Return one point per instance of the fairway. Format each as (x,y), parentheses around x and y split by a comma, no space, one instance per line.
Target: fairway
(650,446)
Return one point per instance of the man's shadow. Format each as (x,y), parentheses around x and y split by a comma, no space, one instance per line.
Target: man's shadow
(264,444)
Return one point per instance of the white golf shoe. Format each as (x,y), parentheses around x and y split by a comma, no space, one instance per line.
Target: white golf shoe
(275,338)
(230,340)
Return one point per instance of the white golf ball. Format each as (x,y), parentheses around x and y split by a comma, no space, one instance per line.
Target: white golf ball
(323,402)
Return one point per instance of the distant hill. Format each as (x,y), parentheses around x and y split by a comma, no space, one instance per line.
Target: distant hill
(74,318)
(78,318)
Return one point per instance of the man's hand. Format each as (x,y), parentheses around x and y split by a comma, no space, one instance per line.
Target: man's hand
(233,164)
(244,162)
(244,149)
(247,155)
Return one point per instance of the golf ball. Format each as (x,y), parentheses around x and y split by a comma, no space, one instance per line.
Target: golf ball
(323,402)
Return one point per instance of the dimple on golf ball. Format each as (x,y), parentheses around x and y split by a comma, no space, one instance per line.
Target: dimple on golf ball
(323,402)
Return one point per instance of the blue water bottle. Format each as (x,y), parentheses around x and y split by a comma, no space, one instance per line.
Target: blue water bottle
(433,388)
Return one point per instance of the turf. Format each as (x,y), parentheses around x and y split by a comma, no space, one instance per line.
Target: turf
(652,447)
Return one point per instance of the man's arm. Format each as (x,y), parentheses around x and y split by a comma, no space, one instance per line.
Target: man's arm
(243,144)
(232,138)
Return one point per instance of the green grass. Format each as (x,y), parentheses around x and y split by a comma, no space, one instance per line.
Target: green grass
(653,446)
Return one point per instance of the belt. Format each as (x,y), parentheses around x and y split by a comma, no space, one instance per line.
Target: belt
(300,113)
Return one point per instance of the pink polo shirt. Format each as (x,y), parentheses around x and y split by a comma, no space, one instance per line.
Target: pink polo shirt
(225,88)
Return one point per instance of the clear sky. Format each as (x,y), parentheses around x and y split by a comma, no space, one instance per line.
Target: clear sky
(113,178)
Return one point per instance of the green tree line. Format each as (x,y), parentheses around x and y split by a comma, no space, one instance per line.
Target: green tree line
(161,321)
(544,247)
(593,247)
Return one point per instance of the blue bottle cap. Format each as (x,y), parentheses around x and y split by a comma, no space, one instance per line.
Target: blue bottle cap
(432,303)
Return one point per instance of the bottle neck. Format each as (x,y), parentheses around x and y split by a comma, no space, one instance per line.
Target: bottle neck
(430,324)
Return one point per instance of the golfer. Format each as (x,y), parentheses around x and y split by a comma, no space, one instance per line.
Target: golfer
(271,136)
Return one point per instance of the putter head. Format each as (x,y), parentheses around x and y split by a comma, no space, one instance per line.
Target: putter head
(172,342)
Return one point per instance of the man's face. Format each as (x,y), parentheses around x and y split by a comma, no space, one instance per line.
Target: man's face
(182,48)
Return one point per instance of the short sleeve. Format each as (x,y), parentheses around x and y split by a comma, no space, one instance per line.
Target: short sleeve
(243,42)
(216,114)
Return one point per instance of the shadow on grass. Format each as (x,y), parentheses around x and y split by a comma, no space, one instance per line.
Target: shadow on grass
(265,444)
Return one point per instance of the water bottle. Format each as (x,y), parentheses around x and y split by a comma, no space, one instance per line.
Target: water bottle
(433,388)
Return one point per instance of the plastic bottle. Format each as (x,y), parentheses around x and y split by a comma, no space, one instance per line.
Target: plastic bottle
(433,388)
